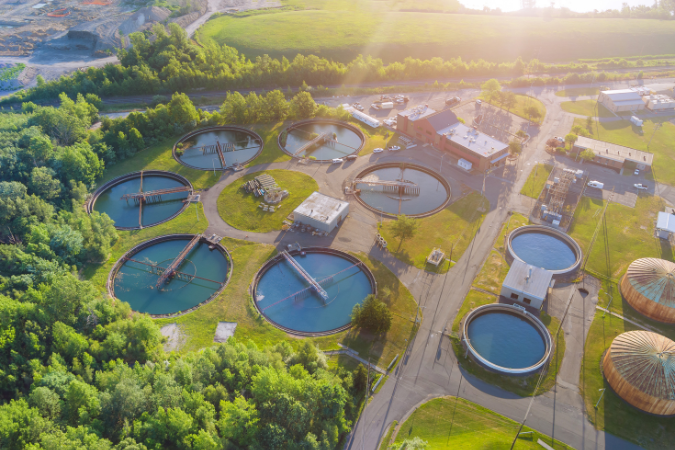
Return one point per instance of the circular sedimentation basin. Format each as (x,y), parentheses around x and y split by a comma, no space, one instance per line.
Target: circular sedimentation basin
(323,139)
(506,339)
(156,210)
(200,148)
(545,247)
(421,191)
(287,300)
(204,273)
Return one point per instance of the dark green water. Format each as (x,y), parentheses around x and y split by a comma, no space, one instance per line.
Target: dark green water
(432,193)
(311,314)
(506,340)
(245,147)
(301,135)
(135,284)
(125,214)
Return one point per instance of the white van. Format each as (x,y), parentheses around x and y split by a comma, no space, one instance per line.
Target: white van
(596,184)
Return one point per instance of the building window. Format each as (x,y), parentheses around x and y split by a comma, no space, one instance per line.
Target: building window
(527,300)
(514,296)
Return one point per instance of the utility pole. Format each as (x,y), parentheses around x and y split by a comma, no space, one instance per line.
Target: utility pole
(656,127)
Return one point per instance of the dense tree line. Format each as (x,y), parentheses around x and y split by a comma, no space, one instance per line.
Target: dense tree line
(167,62)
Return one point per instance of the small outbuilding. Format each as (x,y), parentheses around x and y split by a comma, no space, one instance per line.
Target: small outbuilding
(639,367)
(649,287)
(665,225)
(526,284)
(322,212)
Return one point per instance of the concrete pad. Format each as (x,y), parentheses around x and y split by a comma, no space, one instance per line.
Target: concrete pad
(224,331)
(174,335)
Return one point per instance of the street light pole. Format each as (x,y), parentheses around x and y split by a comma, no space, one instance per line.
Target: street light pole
(603,393)
(656,127)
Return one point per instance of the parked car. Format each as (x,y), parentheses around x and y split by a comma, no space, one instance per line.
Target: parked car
(596,184)
(378,150)
(640,186)
(637,172)
(375,106)
(337,161)
(351,157)
(394,148)
(559,139)
(452,100)
(479,102)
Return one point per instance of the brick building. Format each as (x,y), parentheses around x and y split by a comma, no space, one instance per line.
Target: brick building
(445,132)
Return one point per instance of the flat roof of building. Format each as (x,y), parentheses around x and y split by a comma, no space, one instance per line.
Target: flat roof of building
(528,279)
(473,140)
(418,112)
(614,151)
(666,221)
(442,119)
(363,117)
(623,94)
(321,207)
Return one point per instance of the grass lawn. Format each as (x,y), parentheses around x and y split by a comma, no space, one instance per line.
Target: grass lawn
(455,423)
(613,414)
(586,108)
(576,92)
(514,221)
(536,181)
(271,152)
(523,386)
(342,29)
(622,132)
(452,230)
(240,209)
(522,102)
(158,157)
(627,233)
(492,274)
(387,437)
(376,138)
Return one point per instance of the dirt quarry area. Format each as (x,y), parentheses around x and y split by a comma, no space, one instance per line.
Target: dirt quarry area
(83,28)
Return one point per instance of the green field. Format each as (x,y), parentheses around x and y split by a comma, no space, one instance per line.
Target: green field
(586,108)
(241,210)
(622,132)
(451,230)
(614,415)
(455,423)
(536,181)
(626,235)
(522,102)
(343,29)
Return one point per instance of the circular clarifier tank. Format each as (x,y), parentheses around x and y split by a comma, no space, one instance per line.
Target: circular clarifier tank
(506,339)
(398,188)
(118,198)
(202,149)
(284,293)
(322,139)
(198,277)
(545,247)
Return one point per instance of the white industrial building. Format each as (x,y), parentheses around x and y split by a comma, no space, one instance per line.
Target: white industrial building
(659,102)
(361,116)
(322,212)
(622,100)
(526,284)
(665,224)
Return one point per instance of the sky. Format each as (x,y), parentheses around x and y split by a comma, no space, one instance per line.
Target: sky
(574,5)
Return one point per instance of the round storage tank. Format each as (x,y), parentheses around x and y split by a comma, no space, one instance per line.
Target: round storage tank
(640,367)
(545,247)
(321,139)
(506,339)
(649,287)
